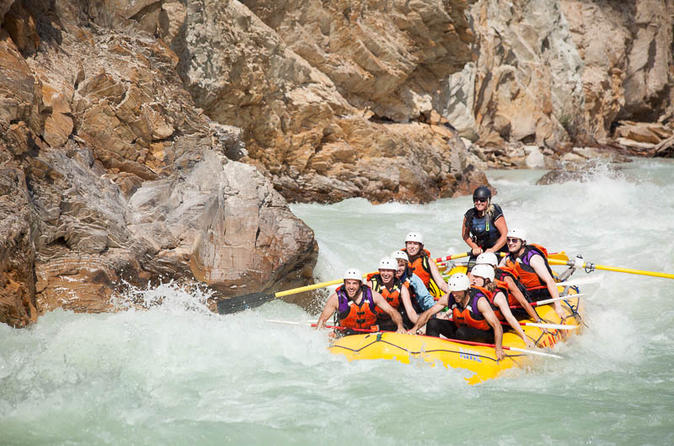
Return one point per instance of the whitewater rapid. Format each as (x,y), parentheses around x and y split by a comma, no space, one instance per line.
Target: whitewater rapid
(176,373)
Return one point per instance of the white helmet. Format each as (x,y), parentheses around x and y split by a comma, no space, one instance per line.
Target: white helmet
(401,255)
(414,237)
(353,273)
(388,263)
(484,271)
(517,233)
(487,258)
(458,282)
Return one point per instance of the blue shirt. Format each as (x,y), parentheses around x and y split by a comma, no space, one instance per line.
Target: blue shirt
(424,298)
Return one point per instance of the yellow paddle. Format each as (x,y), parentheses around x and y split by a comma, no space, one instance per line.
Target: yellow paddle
(591,266)
(240,303)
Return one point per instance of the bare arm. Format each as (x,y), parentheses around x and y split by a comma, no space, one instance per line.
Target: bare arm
(538,264)
(488,313)
(502,227)
(501,302)
(515,291)
(465,234)
(407,303)
(426,315)
(437,277)
(388,309)
(328,310)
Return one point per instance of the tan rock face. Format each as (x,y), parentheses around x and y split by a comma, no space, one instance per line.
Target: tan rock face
(110,174)
(315,87)
(17,255)
(541,62)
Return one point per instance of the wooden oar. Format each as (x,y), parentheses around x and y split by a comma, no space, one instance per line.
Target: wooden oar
(247,301)
(591,266)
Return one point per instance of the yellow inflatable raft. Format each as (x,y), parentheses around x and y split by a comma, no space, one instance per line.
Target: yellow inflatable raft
(479,359)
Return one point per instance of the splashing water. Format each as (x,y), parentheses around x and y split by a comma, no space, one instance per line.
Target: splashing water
(165,370)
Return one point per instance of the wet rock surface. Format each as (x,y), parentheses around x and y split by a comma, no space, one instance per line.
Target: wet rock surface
(111,176)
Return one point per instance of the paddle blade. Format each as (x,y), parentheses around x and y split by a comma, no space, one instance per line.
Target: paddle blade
(241,303)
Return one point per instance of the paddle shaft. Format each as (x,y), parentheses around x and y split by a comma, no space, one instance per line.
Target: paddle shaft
(541,325)
(617,269)
(549,301)
(338,281)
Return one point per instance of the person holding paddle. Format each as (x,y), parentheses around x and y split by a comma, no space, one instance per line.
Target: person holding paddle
(484,226)
(472,317)
(356,306)
(482,275)
(513,289)
(530,265)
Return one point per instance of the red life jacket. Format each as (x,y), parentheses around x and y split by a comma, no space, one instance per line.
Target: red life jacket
(470,315)
(523,270)
(422,268)
(392,295)
(352,315)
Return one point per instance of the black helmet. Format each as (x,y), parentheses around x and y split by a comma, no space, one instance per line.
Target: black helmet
(482,192)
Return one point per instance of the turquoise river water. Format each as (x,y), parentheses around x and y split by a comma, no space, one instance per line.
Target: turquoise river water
(178,374)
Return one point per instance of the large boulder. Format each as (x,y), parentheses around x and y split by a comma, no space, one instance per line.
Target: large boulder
(112,176)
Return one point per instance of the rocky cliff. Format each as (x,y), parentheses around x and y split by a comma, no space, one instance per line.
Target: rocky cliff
(337,99)
(109,173)
(152,139)
(568,72)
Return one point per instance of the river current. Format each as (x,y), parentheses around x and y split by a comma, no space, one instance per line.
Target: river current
(178,374)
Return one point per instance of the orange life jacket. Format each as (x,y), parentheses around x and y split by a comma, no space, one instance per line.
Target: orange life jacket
(392,295)
(522,267)
(352,315)
(470,315)
(502,284)
(422,268)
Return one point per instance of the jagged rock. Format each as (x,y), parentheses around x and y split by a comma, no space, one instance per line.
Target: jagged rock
(525,79)
(578,172)
(554,71)
(316,87)
(126,181)
(642,134)
(17,254)
(20,98)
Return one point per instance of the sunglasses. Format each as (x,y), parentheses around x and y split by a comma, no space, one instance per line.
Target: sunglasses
(512,240)
(480,200)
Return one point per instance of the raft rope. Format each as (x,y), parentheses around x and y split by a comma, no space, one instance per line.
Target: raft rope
(419,353)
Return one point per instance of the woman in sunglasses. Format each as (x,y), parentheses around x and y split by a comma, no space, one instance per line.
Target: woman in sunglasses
(484,226)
